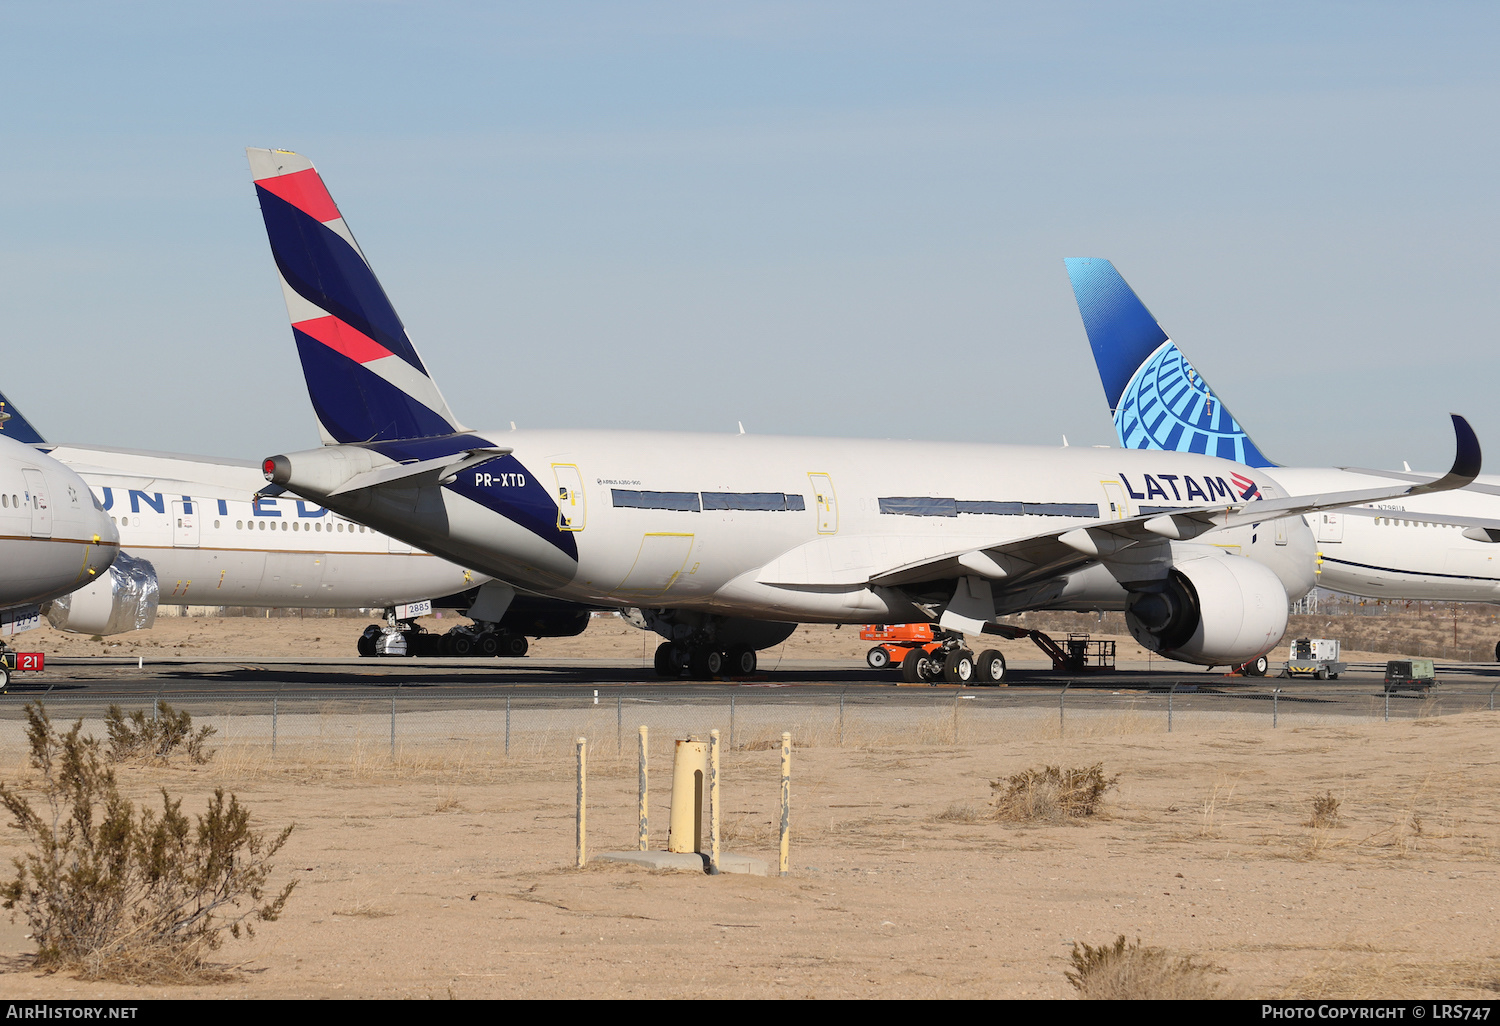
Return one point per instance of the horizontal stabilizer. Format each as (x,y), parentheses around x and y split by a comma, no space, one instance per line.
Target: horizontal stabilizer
(441,470)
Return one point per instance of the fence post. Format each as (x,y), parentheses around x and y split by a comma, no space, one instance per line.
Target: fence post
(713,803)
(643,826)
(731,720)
(1060,699)
(273,724)
(1275,694)
(507,726)
(393,728)
(786,802)
(1387,705)
(841,719)
(1492,697)
(581,822)
(955,717)
(619,724)
(1170,692)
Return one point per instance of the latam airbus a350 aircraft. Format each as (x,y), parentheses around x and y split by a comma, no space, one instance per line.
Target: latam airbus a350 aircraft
(199,530)
(53,538)
(1439,546)
(722,543)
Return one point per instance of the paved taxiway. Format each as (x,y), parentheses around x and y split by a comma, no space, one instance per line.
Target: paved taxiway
(451,682)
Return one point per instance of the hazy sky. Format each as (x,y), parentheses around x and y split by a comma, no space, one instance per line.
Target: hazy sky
(826,218)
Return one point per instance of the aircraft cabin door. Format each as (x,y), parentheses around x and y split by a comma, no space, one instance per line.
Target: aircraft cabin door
(827,502)
(1330,527)
(572,502)
(1115,497)
(184,526)
(41,509)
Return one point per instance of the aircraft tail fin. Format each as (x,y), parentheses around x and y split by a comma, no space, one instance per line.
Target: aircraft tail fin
(15,426)
(1156,397)
(364,376)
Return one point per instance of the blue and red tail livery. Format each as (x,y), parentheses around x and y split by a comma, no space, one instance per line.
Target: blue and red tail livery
(1158,400)
(364,377)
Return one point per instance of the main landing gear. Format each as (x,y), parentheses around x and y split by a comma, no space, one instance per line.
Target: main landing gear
(954,664)
(407,638)
(674,658)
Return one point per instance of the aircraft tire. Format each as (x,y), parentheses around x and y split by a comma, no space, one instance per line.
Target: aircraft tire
(514,645)
(1497,651)
(365,646)
(666,661)
(912,671)
(742,662)
(462,644)
(1258,667)
(958,667)
(487,644)
(879,657)
(698,663)
(989,668)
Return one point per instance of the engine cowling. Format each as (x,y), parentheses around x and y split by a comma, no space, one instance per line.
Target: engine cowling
(1217,610)
(124,599)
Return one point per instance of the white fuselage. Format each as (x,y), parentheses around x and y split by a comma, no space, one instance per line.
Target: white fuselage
(52,537)
(786,528)
(1401,555)
(196,521)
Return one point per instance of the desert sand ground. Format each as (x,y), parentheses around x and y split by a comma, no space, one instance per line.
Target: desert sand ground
(448,873)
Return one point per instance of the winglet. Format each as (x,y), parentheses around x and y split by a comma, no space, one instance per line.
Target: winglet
(1466,461)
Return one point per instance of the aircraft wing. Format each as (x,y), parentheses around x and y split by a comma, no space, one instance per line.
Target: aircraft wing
(1019,561)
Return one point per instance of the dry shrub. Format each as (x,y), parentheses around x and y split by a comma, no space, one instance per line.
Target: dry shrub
(1325,812)
(1052,793)
(960,812)
(156,739)
(1131,972)
(116,894)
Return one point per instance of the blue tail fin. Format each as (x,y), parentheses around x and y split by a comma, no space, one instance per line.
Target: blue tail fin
(1158,400)
(15,426)
(364,377)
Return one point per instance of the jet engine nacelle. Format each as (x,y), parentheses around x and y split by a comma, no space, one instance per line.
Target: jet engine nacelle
(1216,610)
(124,599)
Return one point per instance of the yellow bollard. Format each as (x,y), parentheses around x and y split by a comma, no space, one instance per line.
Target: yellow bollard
(582,825)
(786,802)
(713,802)
(643,828)
(689,767)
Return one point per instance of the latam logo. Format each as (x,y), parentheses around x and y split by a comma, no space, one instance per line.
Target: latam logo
(1212,488)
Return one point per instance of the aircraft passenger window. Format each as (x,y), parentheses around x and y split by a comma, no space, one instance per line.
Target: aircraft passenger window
(294,525)
(216,525)
(283,525)
(341,528)
(4,500)
(239,525)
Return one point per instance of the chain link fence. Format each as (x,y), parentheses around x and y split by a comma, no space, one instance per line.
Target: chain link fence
(536,723)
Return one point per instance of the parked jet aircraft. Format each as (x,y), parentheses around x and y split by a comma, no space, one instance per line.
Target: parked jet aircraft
(722,543)
(1440,546)
(53,537)
(204,531)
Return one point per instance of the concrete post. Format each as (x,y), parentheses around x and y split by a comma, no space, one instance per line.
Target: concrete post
(643,823)
(713,802)
(786,802)
(581,834)
(689,768)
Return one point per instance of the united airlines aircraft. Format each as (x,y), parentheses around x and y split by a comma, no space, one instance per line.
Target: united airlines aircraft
(53,538)
(199,530)
(1439,546)
(722,543)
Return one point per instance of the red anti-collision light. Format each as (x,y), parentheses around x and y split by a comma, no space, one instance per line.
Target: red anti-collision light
(268,467)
